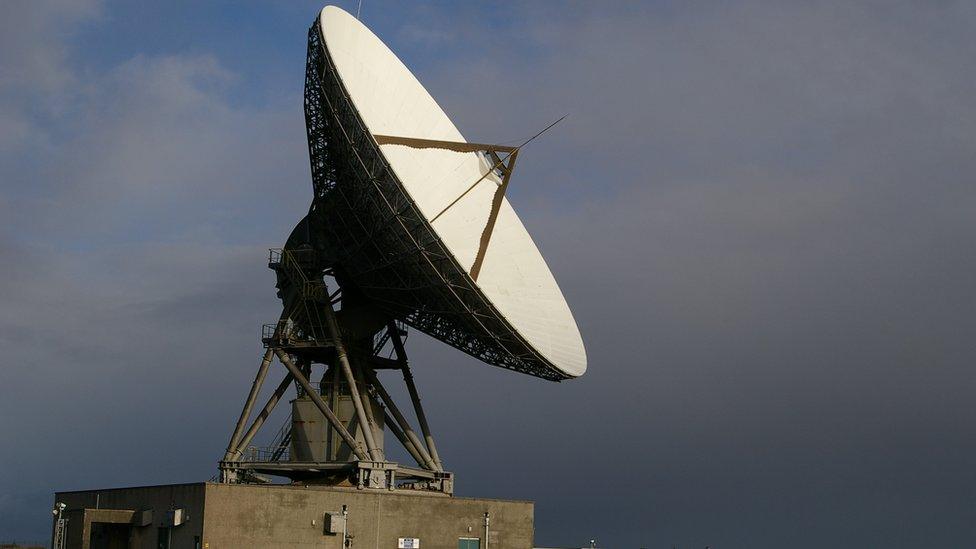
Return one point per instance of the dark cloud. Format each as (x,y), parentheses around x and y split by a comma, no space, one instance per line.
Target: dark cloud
(761,213)
(765,228)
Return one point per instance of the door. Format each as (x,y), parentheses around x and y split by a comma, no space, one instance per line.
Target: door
(162,538)
(469,543)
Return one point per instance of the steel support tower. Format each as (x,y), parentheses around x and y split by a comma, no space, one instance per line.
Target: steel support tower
(335,435)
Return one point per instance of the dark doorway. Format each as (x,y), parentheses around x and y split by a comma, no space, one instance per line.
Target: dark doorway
(105,535)
(162,538)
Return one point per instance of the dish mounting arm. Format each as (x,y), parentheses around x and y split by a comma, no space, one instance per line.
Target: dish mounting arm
(506,165)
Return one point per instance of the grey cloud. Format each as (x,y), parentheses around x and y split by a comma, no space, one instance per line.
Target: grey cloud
(762,215)
(34,75)
(127,296)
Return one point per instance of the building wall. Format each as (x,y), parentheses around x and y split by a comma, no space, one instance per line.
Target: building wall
(229,516)
(158,498)
(282,516)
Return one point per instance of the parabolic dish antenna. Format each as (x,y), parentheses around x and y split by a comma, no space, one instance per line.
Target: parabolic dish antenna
(416,216)
(408,225)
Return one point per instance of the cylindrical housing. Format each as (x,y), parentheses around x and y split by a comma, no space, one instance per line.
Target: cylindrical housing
(309,431)
(313,439)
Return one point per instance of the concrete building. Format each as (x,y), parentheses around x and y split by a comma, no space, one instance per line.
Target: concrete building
(239,516)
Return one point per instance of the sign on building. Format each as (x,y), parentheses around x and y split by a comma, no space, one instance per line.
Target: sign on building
(408,543)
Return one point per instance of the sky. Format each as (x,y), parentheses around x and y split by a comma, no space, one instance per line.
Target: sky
(761,213)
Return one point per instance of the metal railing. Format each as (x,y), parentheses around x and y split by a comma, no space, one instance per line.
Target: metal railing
(278,450)
(274,257)
(286,333)
(264,454)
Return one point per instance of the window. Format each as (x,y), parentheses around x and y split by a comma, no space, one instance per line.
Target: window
(469,543)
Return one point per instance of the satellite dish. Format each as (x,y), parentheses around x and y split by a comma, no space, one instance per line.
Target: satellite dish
(426,231)
(408,224)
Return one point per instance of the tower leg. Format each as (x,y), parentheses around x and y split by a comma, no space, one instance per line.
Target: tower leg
(249,403)
(262,416)
(374,451)
(395,429)
(401,421)
(414,395)
(370,420)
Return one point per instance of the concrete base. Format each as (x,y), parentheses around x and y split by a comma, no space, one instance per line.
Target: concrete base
(236,516)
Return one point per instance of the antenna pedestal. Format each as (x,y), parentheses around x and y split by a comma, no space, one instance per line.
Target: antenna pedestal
(335,433)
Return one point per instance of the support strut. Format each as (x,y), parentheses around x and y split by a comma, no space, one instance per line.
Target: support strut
(262,416)
(414,395)
(322,406)
(428,462)
(395,429)
(364,420)
(249,404)
(364,397)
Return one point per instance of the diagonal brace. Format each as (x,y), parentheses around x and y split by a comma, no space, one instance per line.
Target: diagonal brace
(322,406)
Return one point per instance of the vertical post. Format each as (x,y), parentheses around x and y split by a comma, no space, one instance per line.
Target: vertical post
(334,403)
(343,358)
(487,520)
(249,403)
(322,406)
(305,366)
(414,396)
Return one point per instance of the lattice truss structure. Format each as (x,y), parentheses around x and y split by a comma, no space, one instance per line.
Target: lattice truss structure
(350,343)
